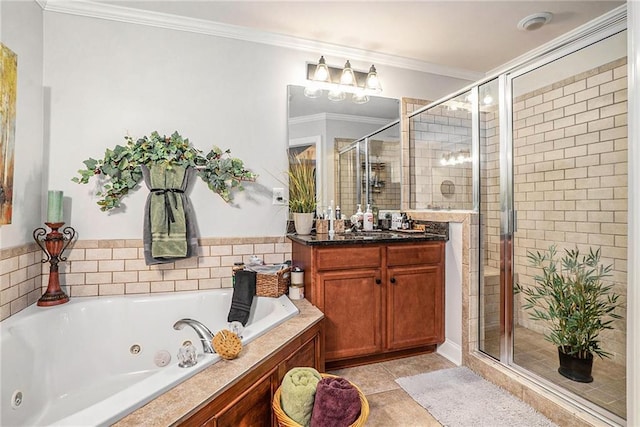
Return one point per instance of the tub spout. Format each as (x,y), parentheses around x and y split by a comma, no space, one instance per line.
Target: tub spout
(202,331)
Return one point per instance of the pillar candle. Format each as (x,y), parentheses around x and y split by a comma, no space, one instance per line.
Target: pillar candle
(54,206)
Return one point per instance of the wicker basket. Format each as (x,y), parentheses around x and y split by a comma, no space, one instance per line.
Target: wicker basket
(285,421)
(273,285)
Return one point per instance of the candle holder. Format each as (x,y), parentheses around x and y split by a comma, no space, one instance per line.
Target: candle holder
(53,245)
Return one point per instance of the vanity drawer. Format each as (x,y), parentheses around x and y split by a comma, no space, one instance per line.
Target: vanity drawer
(428,253)
(365,256)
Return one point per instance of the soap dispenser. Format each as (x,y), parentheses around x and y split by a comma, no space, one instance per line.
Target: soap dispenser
(359,216)
(367,223)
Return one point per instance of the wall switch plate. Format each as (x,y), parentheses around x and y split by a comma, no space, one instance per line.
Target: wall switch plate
(278,196)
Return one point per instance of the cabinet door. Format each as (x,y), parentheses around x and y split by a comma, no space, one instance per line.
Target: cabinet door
(252,409)
(415,306)
(352,303)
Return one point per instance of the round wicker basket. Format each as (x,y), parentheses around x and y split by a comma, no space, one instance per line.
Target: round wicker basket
(227,344)
(285,421)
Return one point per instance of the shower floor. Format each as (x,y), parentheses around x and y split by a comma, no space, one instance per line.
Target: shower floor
(539,356)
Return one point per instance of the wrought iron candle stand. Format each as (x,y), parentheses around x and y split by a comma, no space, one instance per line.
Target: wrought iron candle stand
(53,245)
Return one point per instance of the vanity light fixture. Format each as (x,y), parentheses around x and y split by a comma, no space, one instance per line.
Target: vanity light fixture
(455,158)
(347,77)
(340,82)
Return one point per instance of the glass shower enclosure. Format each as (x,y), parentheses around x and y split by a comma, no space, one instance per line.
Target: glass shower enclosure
(540,154)
(368,170)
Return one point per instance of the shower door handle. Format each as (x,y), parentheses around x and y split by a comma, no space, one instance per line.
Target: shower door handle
(515,221)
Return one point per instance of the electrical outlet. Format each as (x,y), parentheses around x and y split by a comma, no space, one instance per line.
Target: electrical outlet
(278,196)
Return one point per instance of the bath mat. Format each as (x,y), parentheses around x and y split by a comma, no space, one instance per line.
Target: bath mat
(459,397)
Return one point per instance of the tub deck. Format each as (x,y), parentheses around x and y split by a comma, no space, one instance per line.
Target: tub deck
(182,401)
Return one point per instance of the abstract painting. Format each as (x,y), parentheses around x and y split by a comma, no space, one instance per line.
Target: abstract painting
(8,89)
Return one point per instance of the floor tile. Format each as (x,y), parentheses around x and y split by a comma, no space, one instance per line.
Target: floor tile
(396,408)
(417,365)
(370,379)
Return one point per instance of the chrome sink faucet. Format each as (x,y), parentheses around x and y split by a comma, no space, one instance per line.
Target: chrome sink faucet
(202,331)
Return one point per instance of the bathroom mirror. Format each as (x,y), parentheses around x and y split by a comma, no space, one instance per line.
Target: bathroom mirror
(316,124)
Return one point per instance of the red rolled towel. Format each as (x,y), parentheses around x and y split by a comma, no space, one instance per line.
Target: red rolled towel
(337,403)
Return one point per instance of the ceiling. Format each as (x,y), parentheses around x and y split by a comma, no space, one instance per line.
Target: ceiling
(476,36)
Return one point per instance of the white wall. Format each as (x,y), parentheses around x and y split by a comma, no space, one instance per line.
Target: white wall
(452,347)
(21,31)
(108,78)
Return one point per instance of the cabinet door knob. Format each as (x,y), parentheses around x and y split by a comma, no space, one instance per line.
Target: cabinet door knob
(393,280)
(378,281)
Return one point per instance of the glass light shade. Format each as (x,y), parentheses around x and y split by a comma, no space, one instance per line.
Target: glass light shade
(336,95)
(373,83)
(322,71)
(359,98)
(348,77)
(312,92)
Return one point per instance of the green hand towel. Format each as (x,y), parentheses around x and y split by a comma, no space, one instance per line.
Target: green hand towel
(167,218)
(297,393)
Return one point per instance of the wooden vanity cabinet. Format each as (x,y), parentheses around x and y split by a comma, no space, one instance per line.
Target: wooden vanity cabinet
(379,300)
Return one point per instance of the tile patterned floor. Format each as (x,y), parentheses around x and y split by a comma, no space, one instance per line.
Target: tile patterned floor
(535,354)
(389,404)
(607,390)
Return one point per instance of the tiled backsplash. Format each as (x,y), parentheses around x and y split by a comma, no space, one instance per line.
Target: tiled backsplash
(115,267)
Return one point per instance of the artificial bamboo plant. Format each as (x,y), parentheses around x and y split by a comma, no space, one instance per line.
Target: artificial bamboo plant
(571,296)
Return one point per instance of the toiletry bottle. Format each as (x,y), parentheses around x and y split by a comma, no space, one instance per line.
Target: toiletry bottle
(338,213)
(367,224)
(359,216)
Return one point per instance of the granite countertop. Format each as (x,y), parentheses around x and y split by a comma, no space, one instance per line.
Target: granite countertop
(370,237)
(172,406)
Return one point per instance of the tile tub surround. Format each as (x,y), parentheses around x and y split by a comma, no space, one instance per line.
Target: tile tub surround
(187,397)
(117,267)
(20,278)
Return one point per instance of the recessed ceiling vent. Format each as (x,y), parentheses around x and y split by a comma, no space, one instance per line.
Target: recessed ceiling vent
(534,21)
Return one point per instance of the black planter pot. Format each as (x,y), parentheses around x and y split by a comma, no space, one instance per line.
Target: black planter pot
(575,368)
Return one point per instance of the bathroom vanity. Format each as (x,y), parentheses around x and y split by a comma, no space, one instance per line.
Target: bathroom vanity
(382,294)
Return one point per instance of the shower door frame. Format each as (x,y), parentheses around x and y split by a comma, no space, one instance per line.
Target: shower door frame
(508,215)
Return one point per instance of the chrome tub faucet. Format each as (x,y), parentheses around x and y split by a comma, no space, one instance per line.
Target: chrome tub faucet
(202,331)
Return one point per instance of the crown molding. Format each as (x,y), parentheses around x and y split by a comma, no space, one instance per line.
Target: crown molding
(118,13)
(322,117)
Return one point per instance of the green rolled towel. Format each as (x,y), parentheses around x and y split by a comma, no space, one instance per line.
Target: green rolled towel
(297,393)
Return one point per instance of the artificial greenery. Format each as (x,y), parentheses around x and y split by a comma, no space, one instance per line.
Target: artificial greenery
(573,299)
(121,166)
(302,186)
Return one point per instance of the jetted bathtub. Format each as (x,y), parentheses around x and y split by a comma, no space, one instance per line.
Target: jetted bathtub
(96,359)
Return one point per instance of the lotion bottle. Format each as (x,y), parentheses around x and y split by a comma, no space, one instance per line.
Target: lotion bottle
(367,224)
(359,215)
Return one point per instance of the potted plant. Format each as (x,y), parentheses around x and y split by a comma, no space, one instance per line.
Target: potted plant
(571,297)
(302,193)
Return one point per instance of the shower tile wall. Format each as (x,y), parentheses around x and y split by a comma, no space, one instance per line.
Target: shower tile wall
(433,133)
(116,267)
(387,154)
(570,177)
(383,152)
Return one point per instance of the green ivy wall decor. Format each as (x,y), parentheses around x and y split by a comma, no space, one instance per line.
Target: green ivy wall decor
(121,166)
